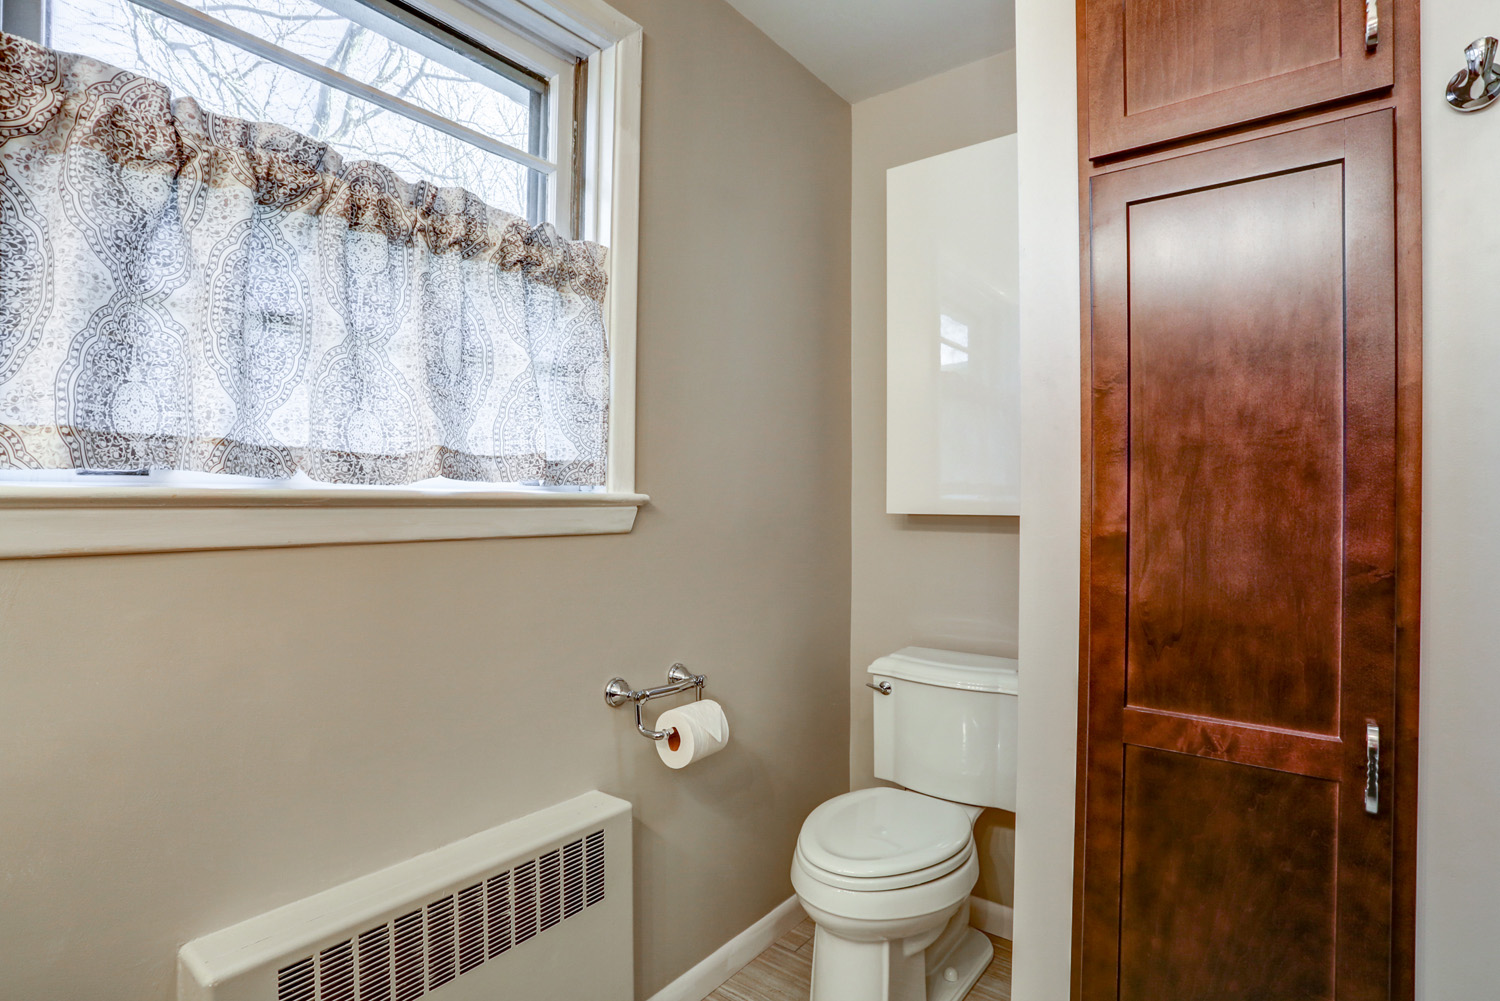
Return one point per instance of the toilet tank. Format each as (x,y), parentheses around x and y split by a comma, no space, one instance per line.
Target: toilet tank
(948,726)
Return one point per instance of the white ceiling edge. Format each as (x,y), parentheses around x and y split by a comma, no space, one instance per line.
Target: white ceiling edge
(863,48)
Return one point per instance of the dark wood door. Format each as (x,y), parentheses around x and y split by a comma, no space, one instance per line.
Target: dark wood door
(1242,572)
(1167,69)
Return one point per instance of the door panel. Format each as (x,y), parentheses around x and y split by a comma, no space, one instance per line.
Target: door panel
(1242,569)
(1236,442)
(1169,69)
(1262,841)
(1176,50)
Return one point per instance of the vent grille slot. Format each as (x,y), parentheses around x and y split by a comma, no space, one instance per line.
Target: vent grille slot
(336,972)
(497,913)
(375,963)
(572,878)
(524,910)
(470,927)
(549,889)
(296,982)
(420,951)
(411,974)
(594,866)
(440,958)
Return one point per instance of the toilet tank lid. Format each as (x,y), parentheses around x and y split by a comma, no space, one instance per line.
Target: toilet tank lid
(969,671)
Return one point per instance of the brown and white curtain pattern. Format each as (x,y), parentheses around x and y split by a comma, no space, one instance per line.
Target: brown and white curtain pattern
(184,290)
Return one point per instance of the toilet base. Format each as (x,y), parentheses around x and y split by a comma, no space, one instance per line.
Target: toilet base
(968,961)
(918,968)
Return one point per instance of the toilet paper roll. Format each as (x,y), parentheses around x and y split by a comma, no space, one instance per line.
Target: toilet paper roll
(696,730)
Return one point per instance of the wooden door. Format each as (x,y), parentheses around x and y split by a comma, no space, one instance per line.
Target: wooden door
(1242,572)
(1167,69)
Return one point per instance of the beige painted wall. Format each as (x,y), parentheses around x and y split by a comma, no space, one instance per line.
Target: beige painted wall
(947,582)
(1458,870)
(188,740)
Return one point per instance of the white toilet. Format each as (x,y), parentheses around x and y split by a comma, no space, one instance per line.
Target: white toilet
(886,873)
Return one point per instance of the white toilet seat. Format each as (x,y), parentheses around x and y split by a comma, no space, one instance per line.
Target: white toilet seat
(882,914)
(884,838)
(894,881)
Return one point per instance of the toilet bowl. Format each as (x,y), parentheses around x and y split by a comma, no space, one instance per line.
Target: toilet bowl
(886,873)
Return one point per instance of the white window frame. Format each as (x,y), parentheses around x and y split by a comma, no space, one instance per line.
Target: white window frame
(81,520)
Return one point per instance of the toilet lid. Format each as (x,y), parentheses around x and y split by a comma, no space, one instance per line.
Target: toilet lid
(883,832)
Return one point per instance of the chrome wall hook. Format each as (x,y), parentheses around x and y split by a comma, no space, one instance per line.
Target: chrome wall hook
(679,679)
(1476,86)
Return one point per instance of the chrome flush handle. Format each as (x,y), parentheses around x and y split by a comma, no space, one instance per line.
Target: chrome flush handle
(1372,768)
(1372,24)
(884,688)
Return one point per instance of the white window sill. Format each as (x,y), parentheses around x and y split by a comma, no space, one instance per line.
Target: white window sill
(75,521)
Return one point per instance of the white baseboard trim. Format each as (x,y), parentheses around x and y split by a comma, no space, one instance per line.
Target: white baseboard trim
(699,982)
(992,918)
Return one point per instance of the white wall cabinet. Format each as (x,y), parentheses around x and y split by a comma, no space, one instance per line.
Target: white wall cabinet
(953,435)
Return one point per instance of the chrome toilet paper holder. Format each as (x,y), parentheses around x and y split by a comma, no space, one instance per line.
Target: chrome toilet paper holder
(679,679)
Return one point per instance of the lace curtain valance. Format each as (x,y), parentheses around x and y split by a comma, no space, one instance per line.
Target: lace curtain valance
(184,290)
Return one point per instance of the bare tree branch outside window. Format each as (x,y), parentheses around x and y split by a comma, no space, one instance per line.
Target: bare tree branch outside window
(231,81)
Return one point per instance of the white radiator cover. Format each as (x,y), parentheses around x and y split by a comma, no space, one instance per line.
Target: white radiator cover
(539,908)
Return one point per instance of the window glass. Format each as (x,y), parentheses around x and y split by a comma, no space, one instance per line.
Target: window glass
(372,50)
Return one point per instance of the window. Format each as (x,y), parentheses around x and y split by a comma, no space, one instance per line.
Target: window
(426,103)
(533,110)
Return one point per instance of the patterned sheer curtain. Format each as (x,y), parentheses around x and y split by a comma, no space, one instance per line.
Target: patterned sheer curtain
(184,290)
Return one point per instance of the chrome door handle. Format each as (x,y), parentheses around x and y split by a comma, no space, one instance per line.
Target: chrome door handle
(884,688)
(1372,24)
(1372,768)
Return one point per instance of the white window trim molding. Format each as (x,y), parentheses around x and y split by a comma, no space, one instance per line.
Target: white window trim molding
(37,521)
(61,521)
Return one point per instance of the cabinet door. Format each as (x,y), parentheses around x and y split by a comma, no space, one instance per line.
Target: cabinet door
(1242,573)
(1167,69)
